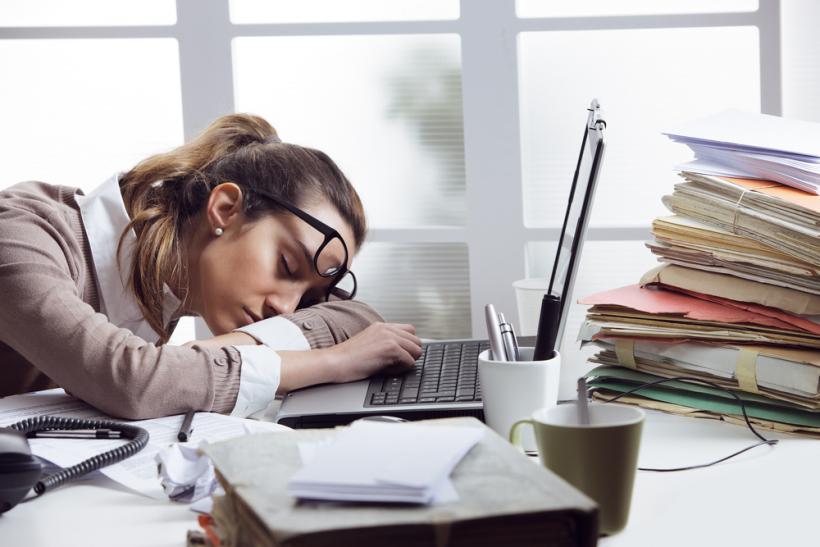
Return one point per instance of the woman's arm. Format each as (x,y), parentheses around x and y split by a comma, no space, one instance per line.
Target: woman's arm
(318,326)
(378,346)
(45,320)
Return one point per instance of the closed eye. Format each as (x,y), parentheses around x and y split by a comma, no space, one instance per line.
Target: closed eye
(286,267)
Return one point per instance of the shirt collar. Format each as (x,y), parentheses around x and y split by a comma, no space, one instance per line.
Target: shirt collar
(105,217)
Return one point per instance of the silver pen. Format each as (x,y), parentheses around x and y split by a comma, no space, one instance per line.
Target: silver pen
(497,352)
(515,343)
(508,337)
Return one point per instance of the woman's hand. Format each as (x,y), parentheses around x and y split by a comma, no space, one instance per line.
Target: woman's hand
(378,347)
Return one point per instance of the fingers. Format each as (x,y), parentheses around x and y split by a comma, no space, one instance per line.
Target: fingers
(387,344)
(401,348)
(409,342)
(393,352)
(407,327)
(406,332)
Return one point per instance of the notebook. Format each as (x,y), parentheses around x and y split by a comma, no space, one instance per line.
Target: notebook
(444,382)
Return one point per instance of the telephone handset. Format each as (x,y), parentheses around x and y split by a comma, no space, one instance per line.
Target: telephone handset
(20,470)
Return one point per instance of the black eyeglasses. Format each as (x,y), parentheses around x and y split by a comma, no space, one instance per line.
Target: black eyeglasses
(325,261)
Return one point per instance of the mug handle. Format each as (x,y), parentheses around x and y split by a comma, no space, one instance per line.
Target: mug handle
(515,435)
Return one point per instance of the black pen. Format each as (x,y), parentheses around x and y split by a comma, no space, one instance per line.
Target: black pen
(186,428)
(548,322)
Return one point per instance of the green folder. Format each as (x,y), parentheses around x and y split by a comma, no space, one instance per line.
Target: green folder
(698,396)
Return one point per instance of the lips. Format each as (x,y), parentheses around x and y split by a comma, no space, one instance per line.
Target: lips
(253,317)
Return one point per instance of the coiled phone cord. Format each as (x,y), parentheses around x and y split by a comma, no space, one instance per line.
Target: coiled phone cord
(138,439)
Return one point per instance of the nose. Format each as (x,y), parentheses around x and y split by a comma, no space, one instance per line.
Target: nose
(283,302)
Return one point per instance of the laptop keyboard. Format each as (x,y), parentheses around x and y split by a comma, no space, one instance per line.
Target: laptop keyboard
(446,372)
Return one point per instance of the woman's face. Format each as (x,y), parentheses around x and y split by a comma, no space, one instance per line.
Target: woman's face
(261,268)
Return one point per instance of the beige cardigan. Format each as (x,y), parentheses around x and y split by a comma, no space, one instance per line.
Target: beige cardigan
(52,334)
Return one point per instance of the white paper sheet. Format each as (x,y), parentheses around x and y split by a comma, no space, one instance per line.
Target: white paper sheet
(751,132)
(444,493)
(373,461)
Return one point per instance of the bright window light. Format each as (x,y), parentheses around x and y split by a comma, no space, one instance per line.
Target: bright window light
(80,110)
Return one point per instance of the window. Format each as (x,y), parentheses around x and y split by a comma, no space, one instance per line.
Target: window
(586,8)
(387,108)
(646,80)
(75,121)
(58,13)
(321,11)
(457,121)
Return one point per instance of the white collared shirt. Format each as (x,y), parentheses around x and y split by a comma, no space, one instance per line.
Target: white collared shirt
(104,218)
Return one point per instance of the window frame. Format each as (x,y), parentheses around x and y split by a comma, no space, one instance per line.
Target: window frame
(494,231)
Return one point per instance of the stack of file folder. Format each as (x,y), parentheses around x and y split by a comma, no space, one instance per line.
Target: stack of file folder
(736,301)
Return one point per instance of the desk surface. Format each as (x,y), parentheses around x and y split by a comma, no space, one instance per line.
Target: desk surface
(763,497)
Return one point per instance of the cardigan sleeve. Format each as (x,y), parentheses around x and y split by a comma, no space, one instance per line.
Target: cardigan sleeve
(44,319)
(318,326)
(332,322)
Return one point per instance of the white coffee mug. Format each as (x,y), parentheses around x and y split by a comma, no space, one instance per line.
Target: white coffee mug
(513,390)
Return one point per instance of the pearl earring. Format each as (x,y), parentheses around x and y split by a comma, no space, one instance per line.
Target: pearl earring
(218,232)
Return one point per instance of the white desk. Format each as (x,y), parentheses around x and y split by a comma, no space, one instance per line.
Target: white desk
(764,497)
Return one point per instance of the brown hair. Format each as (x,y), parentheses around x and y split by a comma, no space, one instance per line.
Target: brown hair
(164,192)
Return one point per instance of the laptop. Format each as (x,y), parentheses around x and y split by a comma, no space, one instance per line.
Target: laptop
(444,382)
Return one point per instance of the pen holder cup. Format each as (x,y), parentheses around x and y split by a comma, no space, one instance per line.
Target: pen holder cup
(513,390)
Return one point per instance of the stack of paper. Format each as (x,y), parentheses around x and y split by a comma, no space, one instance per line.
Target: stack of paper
(643,312)
(737,302)
(776,216)
(699,401)
(689,280)
(745,145)
(383,462)
(700,247)
(789,375)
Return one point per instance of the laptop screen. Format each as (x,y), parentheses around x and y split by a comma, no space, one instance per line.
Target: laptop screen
(579,205)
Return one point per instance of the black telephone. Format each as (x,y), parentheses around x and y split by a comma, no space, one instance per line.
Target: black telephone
(20,470)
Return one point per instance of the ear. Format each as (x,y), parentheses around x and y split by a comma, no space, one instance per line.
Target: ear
(224,207)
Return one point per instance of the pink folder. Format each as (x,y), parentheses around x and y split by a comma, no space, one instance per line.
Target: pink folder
(698,307)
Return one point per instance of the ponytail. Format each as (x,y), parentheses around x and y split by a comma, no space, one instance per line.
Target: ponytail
(162,193)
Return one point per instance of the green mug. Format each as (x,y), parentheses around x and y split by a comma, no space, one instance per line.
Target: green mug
(599,458)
